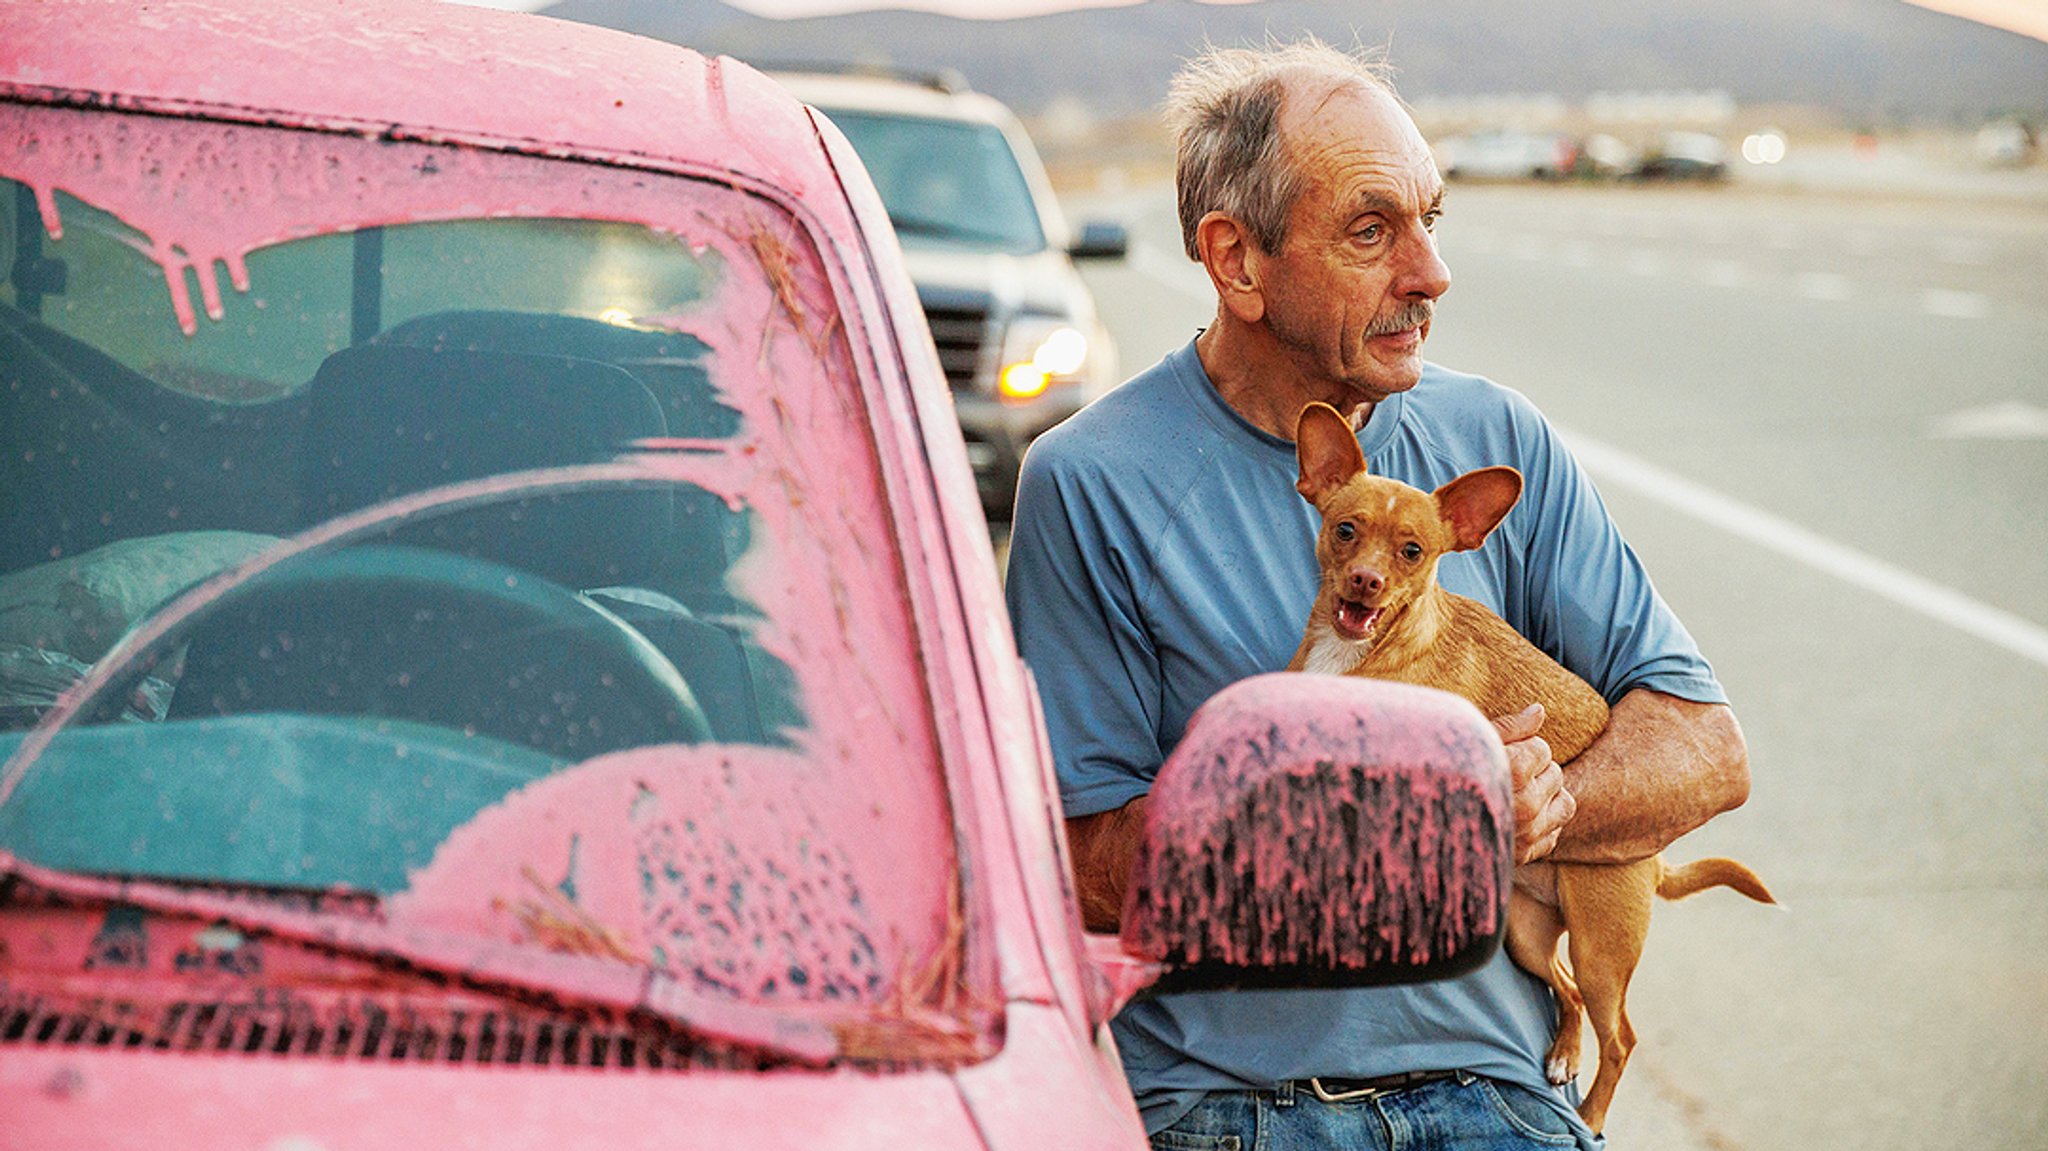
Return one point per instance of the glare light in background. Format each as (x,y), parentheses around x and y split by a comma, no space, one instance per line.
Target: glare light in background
(617,317)
(1765,147)
(1031,367)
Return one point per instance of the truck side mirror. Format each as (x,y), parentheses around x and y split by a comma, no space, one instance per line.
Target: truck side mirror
(1101,240)
(1324,831)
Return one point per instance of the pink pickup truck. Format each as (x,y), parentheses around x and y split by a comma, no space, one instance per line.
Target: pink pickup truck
(499,645)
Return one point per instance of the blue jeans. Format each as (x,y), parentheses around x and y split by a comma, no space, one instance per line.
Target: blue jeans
(1464,1113)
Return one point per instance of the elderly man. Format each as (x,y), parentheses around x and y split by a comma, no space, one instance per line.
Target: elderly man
(1160,553)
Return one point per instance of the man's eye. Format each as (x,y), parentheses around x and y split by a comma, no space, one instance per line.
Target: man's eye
(1429,220)
(1411,551)
(1370,233)
(1346,531)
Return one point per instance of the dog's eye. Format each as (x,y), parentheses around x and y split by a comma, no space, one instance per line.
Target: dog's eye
(1346,531)
(1411,551)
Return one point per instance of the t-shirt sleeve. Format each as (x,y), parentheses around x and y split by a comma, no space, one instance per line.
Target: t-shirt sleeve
(1073,602)
(1586,597)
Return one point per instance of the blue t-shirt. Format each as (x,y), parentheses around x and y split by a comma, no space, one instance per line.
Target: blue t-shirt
(1160,553)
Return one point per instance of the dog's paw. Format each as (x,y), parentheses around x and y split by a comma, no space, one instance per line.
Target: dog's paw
(1560,1070)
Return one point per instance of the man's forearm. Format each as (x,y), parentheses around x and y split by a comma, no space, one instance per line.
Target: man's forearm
(1663,767)
(1103,846)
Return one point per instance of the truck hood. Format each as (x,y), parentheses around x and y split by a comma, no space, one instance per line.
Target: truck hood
(1042,283)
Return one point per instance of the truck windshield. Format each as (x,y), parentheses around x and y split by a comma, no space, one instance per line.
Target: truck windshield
(946,182)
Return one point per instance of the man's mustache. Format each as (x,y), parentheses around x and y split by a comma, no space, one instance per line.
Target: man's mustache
(1414,315)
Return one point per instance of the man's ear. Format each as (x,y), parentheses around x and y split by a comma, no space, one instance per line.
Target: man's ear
(1327,450)
(1476,502)
(1231,260)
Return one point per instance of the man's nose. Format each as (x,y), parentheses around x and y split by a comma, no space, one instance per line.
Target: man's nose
(1424,275)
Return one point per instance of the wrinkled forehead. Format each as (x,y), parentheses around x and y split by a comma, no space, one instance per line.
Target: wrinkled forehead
(1342,132)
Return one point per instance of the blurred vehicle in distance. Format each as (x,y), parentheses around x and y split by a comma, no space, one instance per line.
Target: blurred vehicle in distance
(1508,155)
(990,252)
(1684,155)
(1605,157)
(2005,144)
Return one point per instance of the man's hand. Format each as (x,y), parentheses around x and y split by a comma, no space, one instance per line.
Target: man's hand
(1542,805)
(1104,846)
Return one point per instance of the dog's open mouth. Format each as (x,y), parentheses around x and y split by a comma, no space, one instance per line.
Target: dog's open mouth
(1354,620)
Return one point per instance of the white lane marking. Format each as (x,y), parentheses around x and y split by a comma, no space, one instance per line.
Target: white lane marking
(1175,272)
(2012,420)
(1824,286)
(1916,593)
(1725,274)
(1955,305)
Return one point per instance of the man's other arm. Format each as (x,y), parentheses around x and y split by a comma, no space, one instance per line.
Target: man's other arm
(1663,767)
(1103,846)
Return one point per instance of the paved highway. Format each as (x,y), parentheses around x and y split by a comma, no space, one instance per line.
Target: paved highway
(1823,422)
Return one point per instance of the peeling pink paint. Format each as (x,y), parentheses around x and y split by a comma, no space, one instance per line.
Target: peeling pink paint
(205,196)
(1372,831)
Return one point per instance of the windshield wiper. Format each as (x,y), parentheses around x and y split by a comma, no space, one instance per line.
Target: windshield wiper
(800,1033)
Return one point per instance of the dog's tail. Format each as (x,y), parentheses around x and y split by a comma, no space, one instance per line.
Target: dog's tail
(1700,874)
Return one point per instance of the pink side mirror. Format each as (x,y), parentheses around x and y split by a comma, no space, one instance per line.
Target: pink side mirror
(1324,831)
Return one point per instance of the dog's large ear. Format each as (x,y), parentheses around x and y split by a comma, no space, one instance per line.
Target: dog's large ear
(1476,502)
(1327,448)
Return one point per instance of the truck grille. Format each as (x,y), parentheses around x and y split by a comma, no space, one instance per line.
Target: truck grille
(362,1031)
(959,333)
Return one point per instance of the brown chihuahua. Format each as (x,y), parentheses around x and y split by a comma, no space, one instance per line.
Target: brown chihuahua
(1380,613)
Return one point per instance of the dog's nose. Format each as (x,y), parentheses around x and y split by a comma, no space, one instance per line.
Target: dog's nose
(1367,582)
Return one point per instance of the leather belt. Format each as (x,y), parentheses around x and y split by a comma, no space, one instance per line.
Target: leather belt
(1336,1089)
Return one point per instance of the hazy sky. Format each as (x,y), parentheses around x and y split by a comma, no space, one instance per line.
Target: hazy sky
(2027,16)
(983,9)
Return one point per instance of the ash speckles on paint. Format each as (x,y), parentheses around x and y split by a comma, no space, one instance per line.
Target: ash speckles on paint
(1372,833)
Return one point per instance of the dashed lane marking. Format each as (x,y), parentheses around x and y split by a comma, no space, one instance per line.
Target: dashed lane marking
(1955,305)
(1725,274)
(2012,420)
(1824,286)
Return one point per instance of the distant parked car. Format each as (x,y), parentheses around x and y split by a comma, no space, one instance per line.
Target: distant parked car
(1506,155)
(2005,144)
(499,647)
(1605,157)
(1684,156)
(990,252)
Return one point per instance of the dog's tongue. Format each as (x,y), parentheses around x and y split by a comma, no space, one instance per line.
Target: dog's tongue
(1355,617)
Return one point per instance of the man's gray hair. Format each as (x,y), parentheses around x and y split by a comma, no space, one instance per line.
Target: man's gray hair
(1224,110)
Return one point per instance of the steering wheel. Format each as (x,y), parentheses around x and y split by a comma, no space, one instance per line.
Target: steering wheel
(432,636)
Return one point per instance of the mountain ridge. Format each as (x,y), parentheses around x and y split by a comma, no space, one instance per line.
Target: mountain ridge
(1861,59)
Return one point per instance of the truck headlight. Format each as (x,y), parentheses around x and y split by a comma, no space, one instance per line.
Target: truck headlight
(1038,352)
